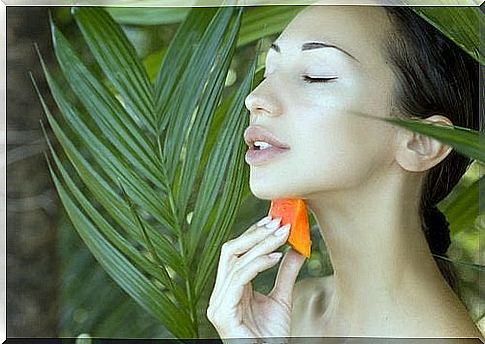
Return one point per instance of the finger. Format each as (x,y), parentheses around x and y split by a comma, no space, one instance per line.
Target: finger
(231,249)
(246,241)
(242,275)
(264,221)
(286,277)
(266,246)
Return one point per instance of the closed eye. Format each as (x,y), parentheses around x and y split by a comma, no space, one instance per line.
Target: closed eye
(308,79)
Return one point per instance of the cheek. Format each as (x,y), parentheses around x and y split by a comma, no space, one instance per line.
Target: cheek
(337,141)
(341,150)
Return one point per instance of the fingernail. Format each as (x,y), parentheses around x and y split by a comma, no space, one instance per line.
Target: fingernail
(283,230)
(273,224)
(263,221)
(275,255)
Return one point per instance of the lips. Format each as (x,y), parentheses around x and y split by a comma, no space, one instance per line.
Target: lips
(256,133)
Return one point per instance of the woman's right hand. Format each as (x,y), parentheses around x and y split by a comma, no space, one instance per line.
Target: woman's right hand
(235,310)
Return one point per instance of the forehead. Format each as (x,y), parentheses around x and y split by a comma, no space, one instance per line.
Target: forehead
(360,30)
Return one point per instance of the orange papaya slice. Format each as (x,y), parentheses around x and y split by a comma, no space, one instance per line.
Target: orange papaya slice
(294,211)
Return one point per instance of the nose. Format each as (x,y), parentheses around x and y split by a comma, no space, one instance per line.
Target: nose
(259,101)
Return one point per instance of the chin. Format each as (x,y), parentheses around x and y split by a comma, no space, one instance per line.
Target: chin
(261,192)
(269,189)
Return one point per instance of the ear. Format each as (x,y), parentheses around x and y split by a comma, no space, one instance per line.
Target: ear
(417,152)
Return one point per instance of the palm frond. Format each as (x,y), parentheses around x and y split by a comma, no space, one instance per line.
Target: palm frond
(113,53)
(466,206)
(264,21)
(116,264)
(461,25)
(465,141)
(132,214)
(215,231)
(176,60)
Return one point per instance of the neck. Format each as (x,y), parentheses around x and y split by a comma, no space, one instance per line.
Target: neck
(378,250)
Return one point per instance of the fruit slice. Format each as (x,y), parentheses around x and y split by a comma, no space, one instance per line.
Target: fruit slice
(294,211)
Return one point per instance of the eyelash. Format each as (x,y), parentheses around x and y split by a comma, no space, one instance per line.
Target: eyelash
(310,80)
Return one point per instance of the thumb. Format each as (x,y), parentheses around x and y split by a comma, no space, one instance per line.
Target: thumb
(286,277)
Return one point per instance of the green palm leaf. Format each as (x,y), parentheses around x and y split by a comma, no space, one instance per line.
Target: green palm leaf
(195,134)
(124,273)
(264,21)
(466,206)
(112,156)
(461,25)
(221,214)
(114,262)
(105,42)
(133,219)
(103,226)
(257,23)
(465,141)
(176,60)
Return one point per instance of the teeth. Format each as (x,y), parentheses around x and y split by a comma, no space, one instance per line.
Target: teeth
(262,145)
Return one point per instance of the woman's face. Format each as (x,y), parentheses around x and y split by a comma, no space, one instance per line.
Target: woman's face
(329,147)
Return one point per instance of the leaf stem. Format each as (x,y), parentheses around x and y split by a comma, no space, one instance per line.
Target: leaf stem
(183,253)
(146,238)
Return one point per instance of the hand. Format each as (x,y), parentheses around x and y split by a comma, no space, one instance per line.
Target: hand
(235,310)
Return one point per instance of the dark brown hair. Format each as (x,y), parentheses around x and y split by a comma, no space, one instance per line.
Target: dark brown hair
(434,76)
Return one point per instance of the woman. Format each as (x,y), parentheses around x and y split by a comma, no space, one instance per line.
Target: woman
(372,187)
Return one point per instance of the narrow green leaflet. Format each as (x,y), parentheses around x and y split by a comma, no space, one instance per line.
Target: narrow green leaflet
(228,155)
(191,86)
(176,60)
(226,214)
(463,211)
(462,25)
(465,141)
(223,156)
(199,131)
(264,21)
(117,58)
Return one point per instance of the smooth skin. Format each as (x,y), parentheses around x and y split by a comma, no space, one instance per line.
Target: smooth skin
(360,177)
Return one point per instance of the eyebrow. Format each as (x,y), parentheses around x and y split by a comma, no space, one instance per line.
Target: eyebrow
(314,45)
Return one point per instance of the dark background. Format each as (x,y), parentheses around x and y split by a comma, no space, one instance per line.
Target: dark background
(32,269)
